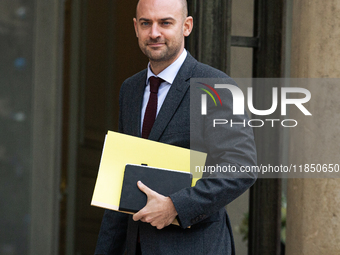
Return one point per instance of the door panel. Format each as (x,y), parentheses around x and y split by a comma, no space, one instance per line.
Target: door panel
(108,54)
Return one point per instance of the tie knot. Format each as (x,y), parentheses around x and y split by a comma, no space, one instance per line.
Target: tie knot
(155,82)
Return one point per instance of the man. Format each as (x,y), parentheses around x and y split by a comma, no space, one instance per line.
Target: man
(161,26)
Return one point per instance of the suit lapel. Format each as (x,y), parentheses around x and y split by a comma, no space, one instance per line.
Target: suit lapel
(174,97)
(136,105)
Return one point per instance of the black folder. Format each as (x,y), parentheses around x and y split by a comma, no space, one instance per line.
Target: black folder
(163,181)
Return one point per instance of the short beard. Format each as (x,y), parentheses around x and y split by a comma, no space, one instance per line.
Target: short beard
(161,58)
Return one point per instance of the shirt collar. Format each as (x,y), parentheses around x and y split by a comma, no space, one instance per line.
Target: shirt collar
(169,73)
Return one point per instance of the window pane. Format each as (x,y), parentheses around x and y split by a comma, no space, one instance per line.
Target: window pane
(242,16)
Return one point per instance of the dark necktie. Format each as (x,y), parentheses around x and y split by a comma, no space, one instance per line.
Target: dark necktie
(151,108)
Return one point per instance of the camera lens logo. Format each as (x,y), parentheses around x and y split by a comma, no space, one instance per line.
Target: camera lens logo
(204,97)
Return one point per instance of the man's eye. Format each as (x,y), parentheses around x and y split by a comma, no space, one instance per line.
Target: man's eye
(166,23)
(145,23)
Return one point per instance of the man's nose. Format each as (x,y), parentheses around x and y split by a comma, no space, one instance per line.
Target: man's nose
(155,32)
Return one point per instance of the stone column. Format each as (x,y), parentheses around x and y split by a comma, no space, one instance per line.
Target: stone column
(313,213)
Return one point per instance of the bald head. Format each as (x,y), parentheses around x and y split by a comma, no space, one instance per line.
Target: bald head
(184,7)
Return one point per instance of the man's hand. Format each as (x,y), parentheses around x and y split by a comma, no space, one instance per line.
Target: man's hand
(159,210)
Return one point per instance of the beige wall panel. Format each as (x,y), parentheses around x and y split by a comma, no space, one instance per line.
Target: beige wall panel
(313,213)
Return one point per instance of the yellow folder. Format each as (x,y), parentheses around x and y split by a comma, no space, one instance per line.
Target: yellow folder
(120,149)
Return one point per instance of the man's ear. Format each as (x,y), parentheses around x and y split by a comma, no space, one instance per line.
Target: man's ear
(188,25)
(135,25)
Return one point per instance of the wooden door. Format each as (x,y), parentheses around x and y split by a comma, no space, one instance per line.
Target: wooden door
(103,52)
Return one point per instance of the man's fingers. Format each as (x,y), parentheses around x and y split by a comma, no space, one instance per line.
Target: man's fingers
(138,215)
(144,188)
(156,211)
(141,213)
(142,216)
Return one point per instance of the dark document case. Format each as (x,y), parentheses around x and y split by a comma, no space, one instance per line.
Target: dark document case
(163,181)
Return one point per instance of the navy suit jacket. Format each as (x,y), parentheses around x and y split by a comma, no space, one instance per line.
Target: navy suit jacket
(201,207)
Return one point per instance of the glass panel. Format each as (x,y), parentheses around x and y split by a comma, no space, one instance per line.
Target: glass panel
(16,36)
(241,62)
(242,16)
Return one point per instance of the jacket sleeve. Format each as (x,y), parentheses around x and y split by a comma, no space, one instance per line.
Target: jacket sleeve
(229,146)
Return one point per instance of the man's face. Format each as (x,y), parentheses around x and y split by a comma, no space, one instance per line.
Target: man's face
(160,26)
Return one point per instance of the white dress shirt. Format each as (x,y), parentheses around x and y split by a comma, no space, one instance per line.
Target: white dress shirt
(168,75)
